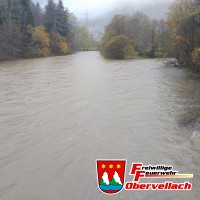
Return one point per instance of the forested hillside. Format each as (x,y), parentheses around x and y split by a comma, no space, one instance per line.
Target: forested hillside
(27,30)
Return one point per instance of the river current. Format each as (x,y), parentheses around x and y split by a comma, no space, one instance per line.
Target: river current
(59,114)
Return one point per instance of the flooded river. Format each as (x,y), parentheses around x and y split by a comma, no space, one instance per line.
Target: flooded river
(59,114)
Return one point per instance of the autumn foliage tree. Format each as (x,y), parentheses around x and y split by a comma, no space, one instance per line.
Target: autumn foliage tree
(184,25)
(40,42)
(147,38)
(60,46)
(118,47)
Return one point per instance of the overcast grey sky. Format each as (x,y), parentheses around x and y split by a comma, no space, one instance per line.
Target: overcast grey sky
(99,7)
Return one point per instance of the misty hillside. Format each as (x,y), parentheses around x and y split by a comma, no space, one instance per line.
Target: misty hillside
(154,10)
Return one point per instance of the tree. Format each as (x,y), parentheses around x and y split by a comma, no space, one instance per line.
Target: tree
(184,26)
(60,45)
(73,34)
(115,28)
(116,47)
(25,31)
(85,39)
(138,27)
(37,13)
(40,42)
(62,22)
(56,23)
(145,34)
(50,16)
(117,25)
(15,18)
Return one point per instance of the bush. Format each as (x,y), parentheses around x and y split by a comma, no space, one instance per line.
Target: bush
(60,45)
(40,43)
(129,52)
(117,47)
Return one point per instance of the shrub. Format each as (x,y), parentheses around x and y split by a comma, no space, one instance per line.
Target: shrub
(60,45)
(129,52)
(117,48)
(40,43)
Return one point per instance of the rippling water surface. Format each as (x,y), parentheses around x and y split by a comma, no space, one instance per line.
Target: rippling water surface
(59,114)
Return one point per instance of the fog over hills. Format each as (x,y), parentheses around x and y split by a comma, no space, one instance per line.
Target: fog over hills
(154,10)
(102,11)
(99,8)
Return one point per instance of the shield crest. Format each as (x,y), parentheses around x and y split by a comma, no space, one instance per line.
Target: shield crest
(110,175)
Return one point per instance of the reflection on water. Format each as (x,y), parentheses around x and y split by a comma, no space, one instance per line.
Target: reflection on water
(58,115)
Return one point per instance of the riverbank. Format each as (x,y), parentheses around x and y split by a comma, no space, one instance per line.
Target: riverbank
(52,55)
(30,58)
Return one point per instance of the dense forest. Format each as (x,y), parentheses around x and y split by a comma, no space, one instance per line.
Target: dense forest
(178,36)
(27,30)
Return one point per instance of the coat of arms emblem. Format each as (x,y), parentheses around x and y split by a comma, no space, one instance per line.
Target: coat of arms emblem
(110,175)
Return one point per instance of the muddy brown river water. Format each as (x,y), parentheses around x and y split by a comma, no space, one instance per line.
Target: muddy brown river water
(59,114)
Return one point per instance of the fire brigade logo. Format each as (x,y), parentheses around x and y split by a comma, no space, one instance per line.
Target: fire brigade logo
(110,175)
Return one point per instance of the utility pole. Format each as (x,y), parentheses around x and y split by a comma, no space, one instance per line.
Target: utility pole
(86,14)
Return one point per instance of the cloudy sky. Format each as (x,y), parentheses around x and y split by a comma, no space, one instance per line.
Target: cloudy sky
(99,7)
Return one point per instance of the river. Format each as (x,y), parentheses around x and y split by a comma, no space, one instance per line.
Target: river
(59,114)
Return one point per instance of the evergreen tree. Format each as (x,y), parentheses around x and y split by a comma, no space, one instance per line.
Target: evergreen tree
(62,24)
(37,13)
(15,16)
(50,16)
(26,16)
